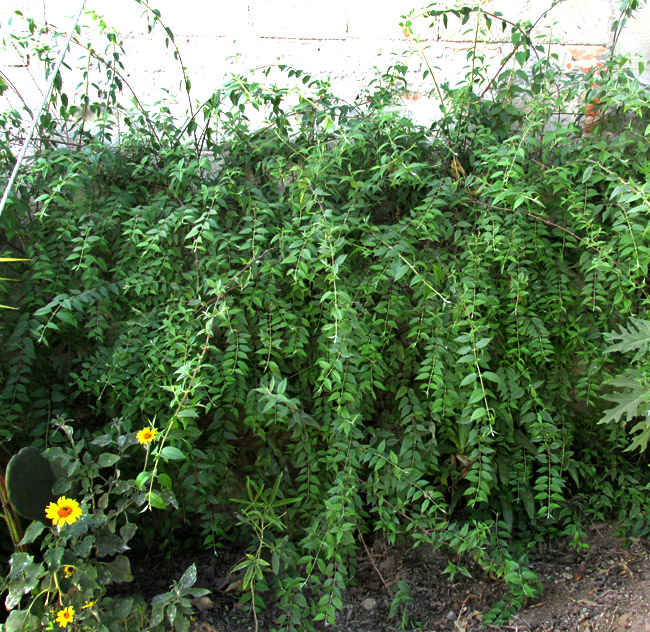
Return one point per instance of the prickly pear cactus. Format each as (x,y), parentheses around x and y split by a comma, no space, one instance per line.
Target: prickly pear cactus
(29,483)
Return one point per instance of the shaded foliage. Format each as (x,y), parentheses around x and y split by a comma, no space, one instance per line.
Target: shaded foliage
(398,326)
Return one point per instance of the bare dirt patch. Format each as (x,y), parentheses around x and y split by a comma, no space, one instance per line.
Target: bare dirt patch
(602,588)
(606,588)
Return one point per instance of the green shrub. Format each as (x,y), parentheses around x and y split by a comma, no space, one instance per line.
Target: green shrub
(398,326)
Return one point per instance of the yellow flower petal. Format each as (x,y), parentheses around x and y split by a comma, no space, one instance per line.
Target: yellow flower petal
(147,435)
(63,511)
(65,616)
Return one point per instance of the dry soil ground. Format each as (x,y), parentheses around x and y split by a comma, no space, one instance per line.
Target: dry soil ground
(603,588)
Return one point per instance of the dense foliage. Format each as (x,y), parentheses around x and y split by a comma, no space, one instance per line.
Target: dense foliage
(340,323)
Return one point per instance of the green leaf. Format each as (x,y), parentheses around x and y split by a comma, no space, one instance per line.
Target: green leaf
(128,531)
(400,272)
(526,496)
(21,621)
(107,460)
(478,413)
(492,377)
(468,379)
(522,440)
(187,413)
(641,432)
(165,480)
(120,569)
(635,337)
(158,609)
(156,501)
(506,508)
(172,453)
(519,201)
(634,400)
(32,532)
(102,440)
(142,479)
(23,577)
(181,623)
(107,543)
(83,547)
(188,578)
(122,607)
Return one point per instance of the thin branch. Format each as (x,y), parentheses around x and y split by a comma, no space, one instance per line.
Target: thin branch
(372,561)
(34,124)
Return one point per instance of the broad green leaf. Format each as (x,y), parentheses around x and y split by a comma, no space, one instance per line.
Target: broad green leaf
(107,460)
(172,453)
(32,532)
(188,578)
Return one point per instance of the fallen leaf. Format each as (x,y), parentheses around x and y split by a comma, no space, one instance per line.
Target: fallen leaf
(234,586)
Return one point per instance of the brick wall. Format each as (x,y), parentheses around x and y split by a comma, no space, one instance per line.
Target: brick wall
(340,38)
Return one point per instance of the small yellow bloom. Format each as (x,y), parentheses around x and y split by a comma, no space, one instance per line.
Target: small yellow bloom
(68,570)
(147,435)
(63,511)
(89,604)
(65,616)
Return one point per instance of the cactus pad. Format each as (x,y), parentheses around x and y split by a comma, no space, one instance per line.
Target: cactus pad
(29,483)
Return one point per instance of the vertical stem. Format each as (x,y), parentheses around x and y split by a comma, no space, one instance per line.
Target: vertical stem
(10,516)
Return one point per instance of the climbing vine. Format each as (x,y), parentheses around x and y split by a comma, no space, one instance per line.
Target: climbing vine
(339,323)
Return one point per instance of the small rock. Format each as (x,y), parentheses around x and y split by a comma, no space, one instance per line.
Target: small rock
(203,603)
(369,604)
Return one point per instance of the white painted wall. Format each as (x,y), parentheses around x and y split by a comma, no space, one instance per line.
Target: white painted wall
(343,39)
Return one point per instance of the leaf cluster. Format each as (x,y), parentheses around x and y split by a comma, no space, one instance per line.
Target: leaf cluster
(398,325)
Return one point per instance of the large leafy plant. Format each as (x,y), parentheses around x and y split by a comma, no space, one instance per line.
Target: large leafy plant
(342,323)
(632,394)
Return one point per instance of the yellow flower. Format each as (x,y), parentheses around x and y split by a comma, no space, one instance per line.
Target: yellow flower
(65,616)
(89,604)
(64,510)
(68,570)
(146,435)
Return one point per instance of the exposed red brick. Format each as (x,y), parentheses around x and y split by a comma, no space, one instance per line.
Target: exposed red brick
(584,53)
